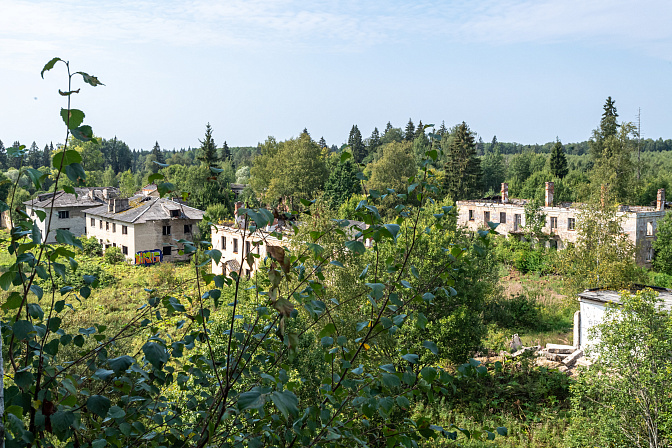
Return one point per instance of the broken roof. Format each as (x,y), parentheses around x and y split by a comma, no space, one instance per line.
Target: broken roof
(86,197)
(148,208)
(613,296)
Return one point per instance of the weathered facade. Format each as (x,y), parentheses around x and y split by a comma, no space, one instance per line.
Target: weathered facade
(235,243)
(68,209)
(592,307)
(639,223)
(145,228)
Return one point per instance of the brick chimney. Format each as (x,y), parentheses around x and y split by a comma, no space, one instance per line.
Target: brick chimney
(120,204)
(660,200)
(505,193)
(549,194)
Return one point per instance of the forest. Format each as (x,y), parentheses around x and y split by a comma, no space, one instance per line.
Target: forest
(333,343)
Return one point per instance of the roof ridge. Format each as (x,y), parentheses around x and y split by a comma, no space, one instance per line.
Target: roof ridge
(144,211)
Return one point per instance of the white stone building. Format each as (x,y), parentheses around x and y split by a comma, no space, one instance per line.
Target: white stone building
(68,209)
(145,228)
(639,223)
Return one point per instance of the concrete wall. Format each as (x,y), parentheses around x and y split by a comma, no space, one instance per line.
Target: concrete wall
(636,223)
(74,223)
(592,313)
(230,234)
(143,236)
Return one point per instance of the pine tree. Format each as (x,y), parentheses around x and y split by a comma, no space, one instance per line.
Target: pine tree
(443,130)
(388,128)
(608,124)
(208,150)
(558,160)
(322,143)
(156,150)
(463,168)
(480,146)
(3,157)
(305,131)
(341,183)
(356,144)
(494,143)
(409,132)
(420,130)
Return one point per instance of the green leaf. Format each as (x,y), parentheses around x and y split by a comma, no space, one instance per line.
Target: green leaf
(391,380)
(355,246)
(36,176)
(345,156)
(421,321)
(103,374)
(76,173)
(251,399)
(116,412)
(403,402)
(22,329)
(286,402)
(6,280)
(35,289)
(70,156)
(394,230)
(66,237)
(164,188)
(327,341)
(410,357)
(89,79)
(99,443)
(431,346)
(83,133)
(99,405)
(76,117)
(155,354)
(502,431)
(337,263)
(62,420)
(49,65)
(155,177)
(23,379)
(428,373)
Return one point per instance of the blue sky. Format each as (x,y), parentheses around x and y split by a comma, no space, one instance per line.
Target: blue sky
(526,71)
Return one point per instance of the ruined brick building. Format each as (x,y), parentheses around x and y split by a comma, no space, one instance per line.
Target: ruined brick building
(639,222)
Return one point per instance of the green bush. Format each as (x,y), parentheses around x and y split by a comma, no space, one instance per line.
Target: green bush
(91,247)
(521,312)
(113,255)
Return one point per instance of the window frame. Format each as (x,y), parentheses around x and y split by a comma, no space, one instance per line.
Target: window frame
(64,214)
(166,230)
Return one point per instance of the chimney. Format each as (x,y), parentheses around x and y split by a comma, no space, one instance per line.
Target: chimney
(505,193)
(549,194)
(105,195)
(120,204)
(92,194)
(238,205)
(110,207)
(660,200)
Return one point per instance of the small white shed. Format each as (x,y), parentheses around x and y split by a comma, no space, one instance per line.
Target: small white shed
(593,303)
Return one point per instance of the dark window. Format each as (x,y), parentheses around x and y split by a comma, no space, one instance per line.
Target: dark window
(65,228)
(247,272)
(502,217)
(247,247)
(166,230)
(124,230)
(63,214)
(101,223)
(167,250)
(486,216)
(114,227)
(124,250)
(554,223)
(571,223)
(187,228)
(471,215)
(223,243)
(517,221)
(235,245)
(107,225)
(114,244)
(93,222)
(174,213)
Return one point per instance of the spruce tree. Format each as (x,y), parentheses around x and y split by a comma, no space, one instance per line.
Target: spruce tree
(409,132)
(3,157)
(356,144)
(226,152)
(608,124)
(374,141)
(558,160)
(388,128)
(322,143)
(46,157)
(156,150)
(34,156)
(443,130)
(420,130)
(208,149)
(463,167)
(494,143)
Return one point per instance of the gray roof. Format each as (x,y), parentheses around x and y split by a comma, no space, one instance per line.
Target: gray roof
(86,197)
(148,208)
(612,296)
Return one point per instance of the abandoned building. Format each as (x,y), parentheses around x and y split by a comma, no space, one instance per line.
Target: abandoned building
(68,209)
(592,307)
(639,222)
(145,228)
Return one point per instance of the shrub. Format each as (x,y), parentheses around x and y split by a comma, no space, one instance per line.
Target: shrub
(113,255)
(91,247)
